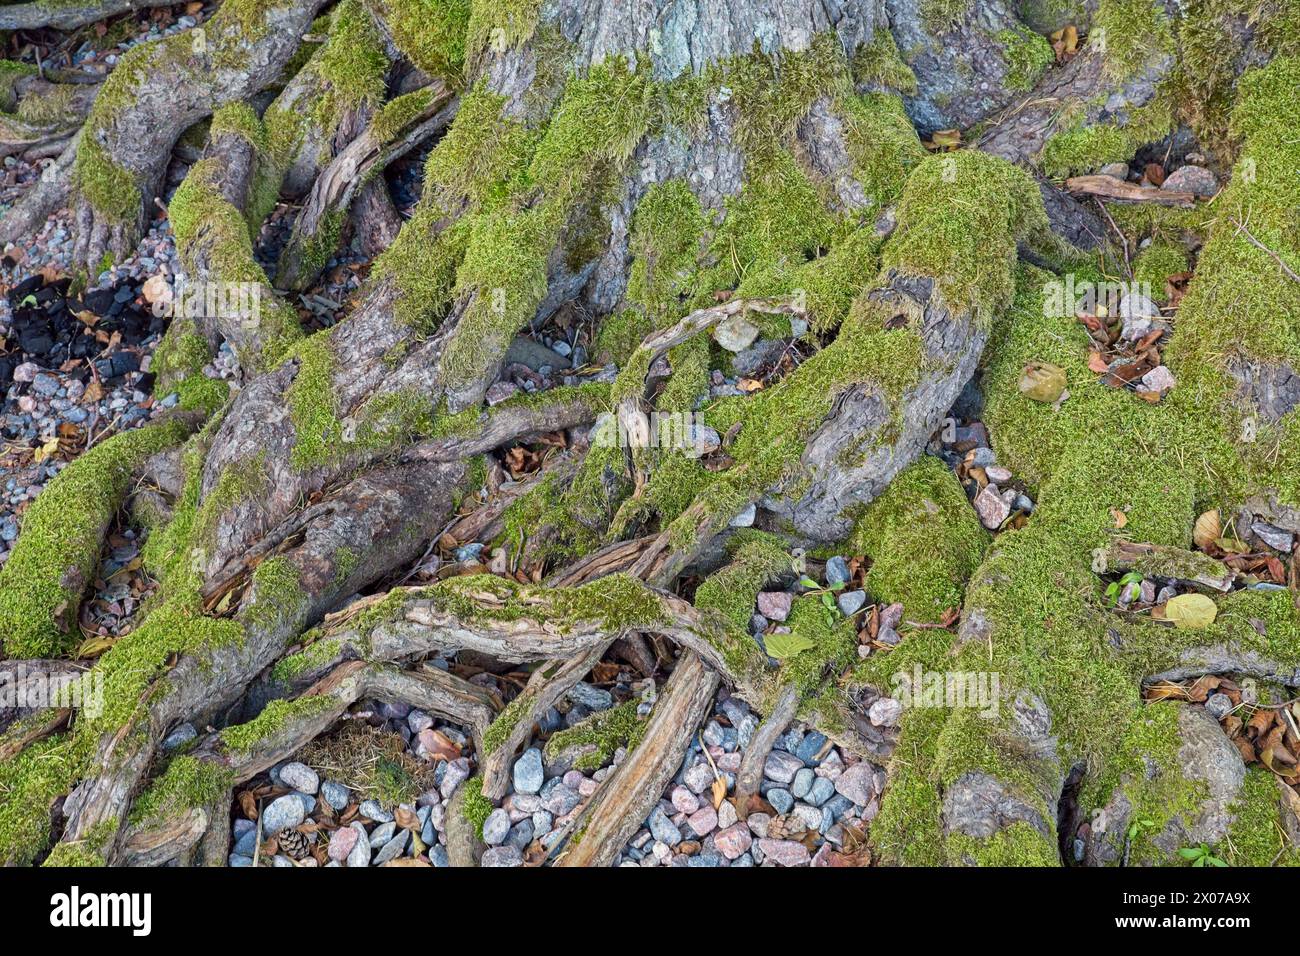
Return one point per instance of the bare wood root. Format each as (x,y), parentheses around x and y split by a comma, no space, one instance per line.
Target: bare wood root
(547,684)
(49,192)
(1117,190)
(765,737)
(36,16)
(430,689)
(627,795)
(335,189)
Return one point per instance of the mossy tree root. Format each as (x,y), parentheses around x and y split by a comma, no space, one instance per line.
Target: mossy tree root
(393,131)
(171,816)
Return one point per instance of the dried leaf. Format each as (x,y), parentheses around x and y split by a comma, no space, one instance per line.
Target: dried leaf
(1207,530)
(1121,519)
(719,791)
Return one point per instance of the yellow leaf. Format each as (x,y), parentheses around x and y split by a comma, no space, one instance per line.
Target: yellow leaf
(1191,611)
(1121,519)
(1042,381)
(719,791)
(48,449)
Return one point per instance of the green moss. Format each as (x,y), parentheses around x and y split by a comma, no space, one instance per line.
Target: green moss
(878,64)
(318,433)
(599,736)
(939,16)
(1256,836)
(202,220)
(315,654)
(245,738)
(1157,263)
(501,24)
(431,34)
(960,218)
(30,782)
(398,113)
(666,234)
(923,539)
(884,146)
(1085,150)
(107,186)
(238,118)
(352,62)
(56,554)
(1132,35)
(1018,845)
(186,783)
(475,807)
(1027,55)
(86,852)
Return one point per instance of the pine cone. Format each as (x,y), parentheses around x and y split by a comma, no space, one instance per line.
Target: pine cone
(293,843)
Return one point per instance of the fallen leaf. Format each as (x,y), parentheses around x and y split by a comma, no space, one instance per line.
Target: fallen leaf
(1191,611)
(1121,519)
(1207,530)
(1042,382)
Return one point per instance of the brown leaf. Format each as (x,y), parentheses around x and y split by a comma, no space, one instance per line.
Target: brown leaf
(248,803)
(407,820)
(1155,173)
(719,791)
(1097,363)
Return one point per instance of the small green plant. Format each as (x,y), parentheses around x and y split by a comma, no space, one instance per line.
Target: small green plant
(1116,588)
(1200,856)
(827,596)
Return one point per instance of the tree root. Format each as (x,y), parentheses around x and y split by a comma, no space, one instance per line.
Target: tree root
(623,801)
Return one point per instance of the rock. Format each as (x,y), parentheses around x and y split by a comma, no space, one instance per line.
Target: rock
(746,516)
(496,827)
(1218,705)
(683,800)
(1159,379)
(734,841)
(182,735)
(781,766)
(382,834)
(393,848)
(837,571)
(858,783)
(502,856)
(1138,313)
(1196,180)
(758,823)
(784,852)
(663,829)
(498,392)
(781,800)
(1279,539)
(808,749)
(726,814)
(300,776)
(802,783)
(991,507)
(528,772)
(735,333)
(371,810)
(286,811)
(698,777)
(885,712)
(810,816)
(360,854)
(520,835)
(850,602)
(561,800)
(335,794)
(1042,382)
(1118,171)
(703,821)
(775,605)
(821,791)
(998,474)
(236,860)
(593,698)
